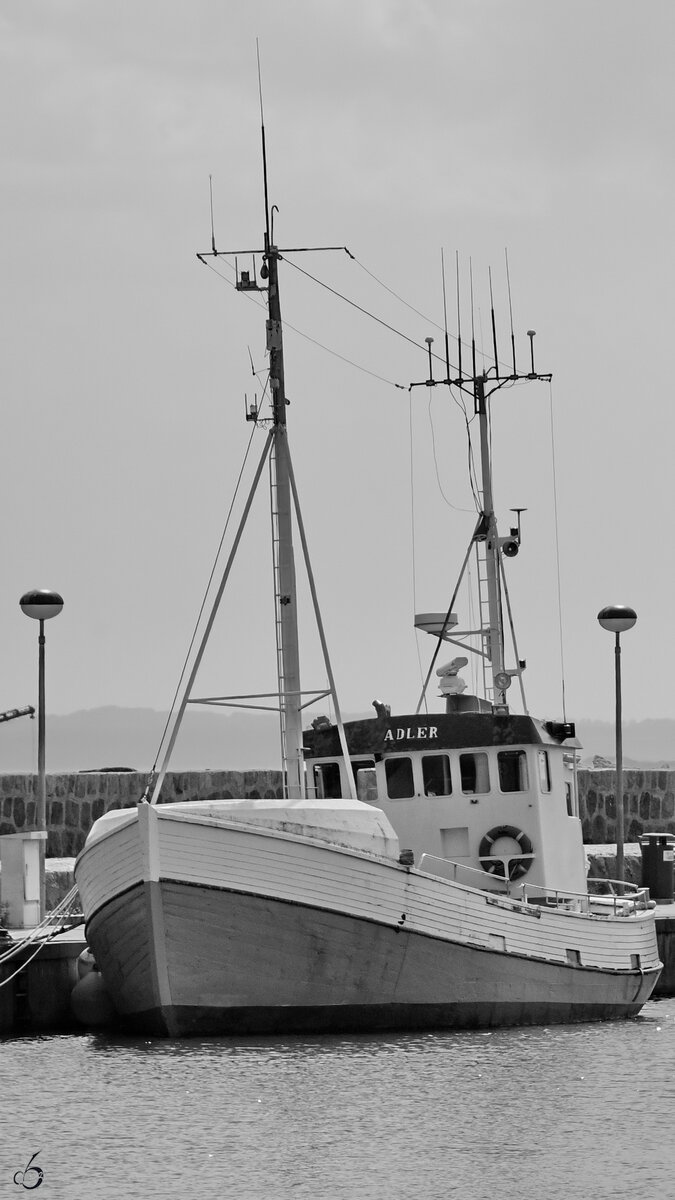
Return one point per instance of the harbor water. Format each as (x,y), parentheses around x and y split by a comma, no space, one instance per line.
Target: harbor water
(539,1114)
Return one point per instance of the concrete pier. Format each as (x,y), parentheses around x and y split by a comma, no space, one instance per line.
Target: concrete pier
(37,998)
(602,865)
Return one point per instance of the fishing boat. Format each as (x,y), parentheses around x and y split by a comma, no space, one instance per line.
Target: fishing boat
(421,870)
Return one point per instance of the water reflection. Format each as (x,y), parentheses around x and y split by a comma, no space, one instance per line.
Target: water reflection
(287,1047)
(553,1113)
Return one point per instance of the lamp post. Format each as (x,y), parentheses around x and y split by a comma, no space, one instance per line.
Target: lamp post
(41,604)
(617,618)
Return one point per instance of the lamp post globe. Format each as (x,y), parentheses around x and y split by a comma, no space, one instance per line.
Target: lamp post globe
(41,604)
(618,619)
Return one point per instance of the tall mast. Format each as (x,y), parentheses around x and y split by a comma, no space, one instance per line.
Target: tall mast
(284,501)
(285,588)
(494,636)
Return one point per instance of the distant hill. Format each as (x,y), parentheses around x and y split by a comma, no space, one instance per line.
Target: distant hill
(128,737)
(648,743)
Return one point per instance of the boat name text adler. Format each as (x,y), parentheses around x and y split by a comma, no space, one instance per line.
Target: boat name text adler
(419,733)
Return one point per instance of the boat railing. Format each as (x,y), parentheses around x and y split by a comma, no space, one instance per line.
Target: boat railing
(601,886)
(619,903)
(621,899)
(475,877)
(618,892)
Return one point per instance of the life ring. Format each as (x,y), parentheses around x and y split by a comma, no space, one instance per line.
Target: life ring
(495,866)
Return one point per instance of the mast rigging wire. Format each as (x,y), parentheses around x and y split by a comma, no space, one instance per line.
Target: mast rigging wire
(413,547)
(473,481)
(445,623)
(429,320)
(359,308)
(396,296)
(474,659)
(287,325)
(505,593)
(477,352)
(153,769)
(365,311)
(373,374)
(456,507)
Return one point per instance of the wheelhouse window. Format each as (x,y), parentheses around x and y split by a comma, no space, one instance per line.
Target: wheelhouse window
(366,785)
(474,772)
(361,764)
(327,783)
(436,775)
(399,775)
(544,771)
(512,765)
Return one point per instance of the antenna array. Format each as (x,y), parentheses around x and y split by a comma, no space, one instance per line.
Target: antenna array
(497,373)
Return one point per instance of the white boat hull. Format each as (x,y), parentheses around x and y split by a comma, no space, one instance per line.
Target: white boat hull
(247,964)
(210,927)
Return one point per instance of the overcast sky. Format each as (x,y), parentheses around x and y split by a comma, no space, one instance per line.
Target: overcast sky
(398,130)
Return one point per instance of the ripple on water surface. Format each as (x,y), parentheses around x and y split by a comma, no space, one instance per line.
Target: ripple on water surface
(538,1114)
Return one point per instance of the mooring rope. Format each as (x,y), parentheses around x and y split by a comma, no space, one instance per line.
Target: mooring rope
(50,926)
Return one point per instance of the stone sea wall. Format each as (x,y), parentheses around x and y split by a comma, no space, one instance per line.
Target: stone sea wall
(648,804)
(74,802)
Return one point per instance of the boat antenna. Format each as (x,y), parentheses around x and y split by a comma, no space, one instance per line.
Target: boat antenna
(531,333)
(508,284)
(459,317)
(213,232)
(430,381)
(494,329)
(473,327)
(445,321)
(264,149)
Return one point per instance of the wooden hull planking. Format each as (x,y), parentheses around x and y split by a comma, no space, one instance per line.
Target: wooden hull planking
(231,963)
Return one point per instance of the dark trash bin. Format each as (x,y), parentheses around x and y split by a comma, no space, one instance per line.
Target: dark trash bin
(658,851)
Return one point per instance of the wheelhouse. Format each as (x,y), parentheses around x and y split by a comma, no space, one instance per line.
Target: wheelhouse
(449,784)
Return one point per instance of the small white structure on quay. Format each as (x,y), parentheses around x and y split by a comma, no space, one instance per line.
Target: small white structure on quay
(20,877)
